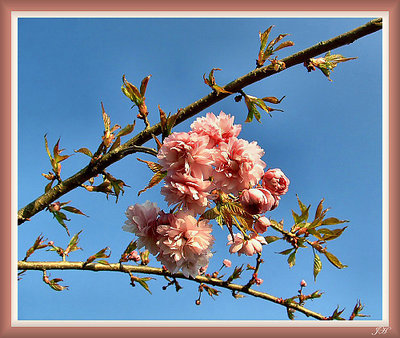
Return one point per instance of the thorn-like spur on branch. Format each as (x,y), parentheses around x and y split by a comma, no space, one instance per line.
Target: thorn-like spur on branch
(235,86)
(117,267)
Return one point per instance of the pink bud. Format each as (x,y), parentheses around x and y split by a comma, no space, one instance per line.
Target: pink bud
(275,181)
(256,201)
(262,224)
(51,243)
(56,206)
(259,281)
(227,263)
(303,283)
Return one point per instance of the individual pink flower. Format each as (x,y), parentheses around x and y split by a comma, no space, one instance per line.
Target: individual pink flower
(187,153)
(227,263)
(248,247)
(142,222)
(217,128)
(134,256)
(185,244)
(189,192)
(238,165)
(256,201)
(275,181)
(262,224)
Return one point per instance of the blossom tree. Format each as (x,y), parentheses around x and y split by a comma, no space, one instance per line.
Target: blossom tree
(211,179)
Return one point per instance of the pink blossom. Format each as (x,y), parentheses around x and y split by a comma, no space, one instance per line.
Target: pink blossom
(187,153)
(248,247)
(134,256)
(217,128)
(303,283)
(256,201)
(259,281)
(227,263)
(262,224)
(142,222)
(238,165)
(185,244)
(275,181)
(190,192)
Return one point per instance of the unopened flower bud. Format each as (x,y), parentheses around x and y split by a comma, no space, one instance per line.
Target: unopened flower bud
(259,281)
(256,201)
(51,243)
(275,181)
(198,302)
(303,283)
(262,224)
(227,263)
(56,206)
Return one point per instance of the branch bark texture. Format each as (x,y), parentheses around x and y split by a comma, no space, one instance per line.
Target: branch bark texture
(117,267)
(133,145)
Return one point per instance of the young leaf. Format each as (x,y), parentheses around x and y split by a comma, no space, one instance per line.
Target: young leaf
(85,151)
(271,239)
(154,167)
(286,252)
(292,259)
(74,210)
(142,282)
(319,209)
(157,178)
(334,260)
(236,274)
(143,85)
(317,266)
(332,221)
(60,217)
(331,234)
(210,214)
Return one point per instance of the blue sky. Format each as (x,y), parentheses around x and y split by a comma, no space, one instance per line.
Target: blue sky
(328,141)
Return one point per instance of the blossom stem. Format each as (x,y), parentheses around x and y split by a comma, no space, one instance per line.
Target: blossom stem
(117,267)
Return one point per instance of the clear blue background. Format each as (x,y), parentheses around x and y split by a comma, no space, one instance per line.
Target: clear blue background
(327,141)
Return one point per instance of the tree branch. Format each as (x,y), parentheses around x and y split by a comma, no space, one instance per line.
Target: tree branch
(117,267)
(117,154)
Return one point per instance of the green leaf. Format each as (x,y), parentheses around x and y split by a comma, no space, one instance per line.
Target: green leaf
(271,239)
(74,210)
(210,214)
(317,266)
(85,151)
(332,221)
(104,262)
(154,167)
(331,234)
(60,217)
(286,252)
(334,260)
(236,274)
(157,178)
(315,233)
(318,211)
(220,221)
(290,313)
(131,246)
(72,245)
(47,147)
(143,284)
(292,259)
(127,130)
(116,144)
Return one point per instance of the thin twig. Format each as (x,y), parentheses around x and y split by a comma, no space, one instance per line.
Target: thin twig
(116,267)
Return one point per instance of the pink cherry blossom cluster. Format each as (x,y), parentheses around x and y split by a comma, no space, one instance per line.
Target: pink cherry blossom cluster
(210,149)
(208,158)
(179,241)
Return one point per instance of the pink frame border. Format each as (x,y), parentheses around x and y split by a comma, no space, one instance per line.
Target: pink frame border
(6,6)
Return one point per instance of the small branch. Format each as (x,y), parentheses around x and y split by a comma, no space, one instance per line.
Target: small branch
(235,86)
(118,267)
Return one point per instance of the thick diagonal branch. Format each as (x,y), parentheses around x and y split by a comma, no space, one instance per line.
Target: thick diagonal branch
(131,146)
(117,267)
